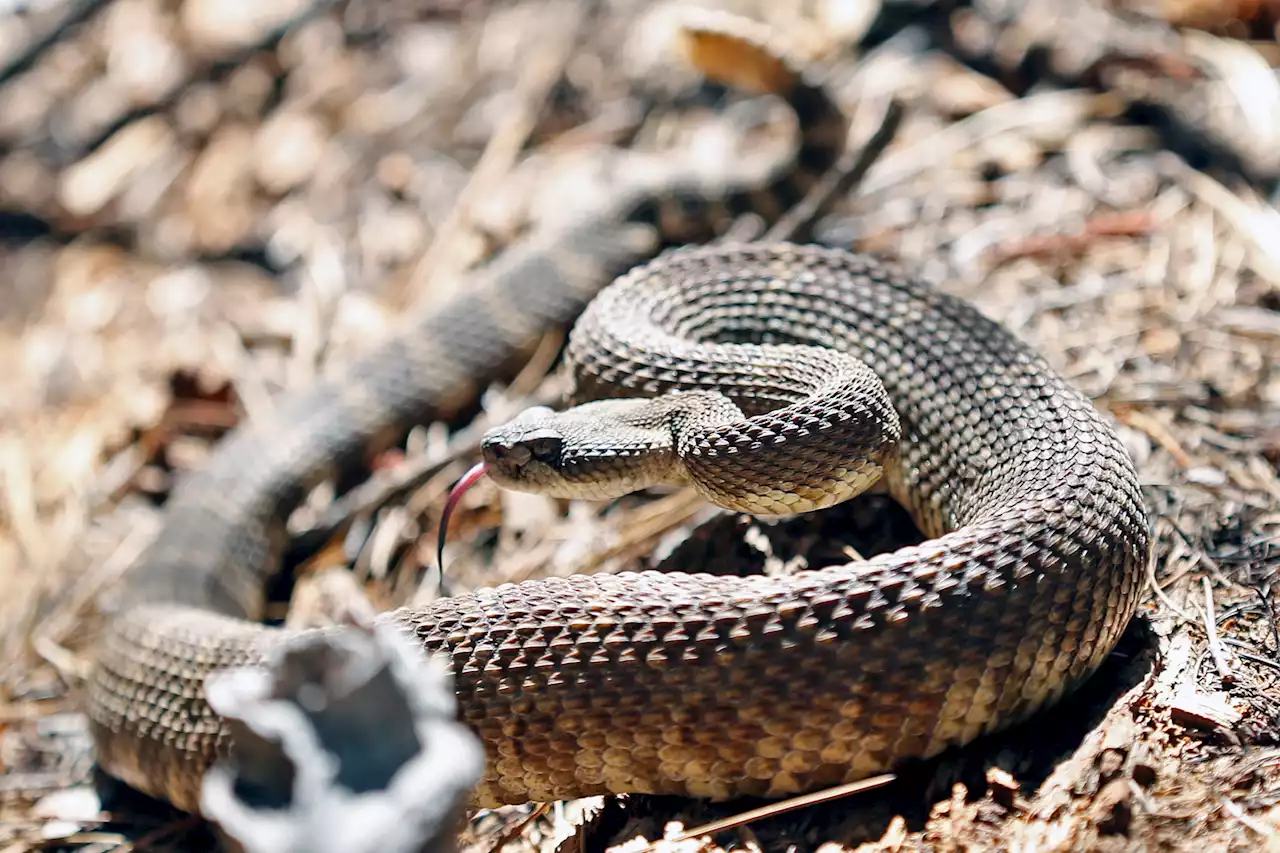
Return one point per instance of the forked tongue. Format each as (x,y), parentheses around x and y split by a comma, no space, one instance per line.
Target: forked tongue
(468,480)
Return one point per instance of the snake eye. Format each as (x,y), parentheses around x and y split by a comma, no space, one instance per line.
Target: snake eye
(545,448)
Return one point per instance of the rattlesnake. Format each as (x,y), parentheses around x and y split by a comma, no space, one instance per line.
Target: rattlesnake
(705,685)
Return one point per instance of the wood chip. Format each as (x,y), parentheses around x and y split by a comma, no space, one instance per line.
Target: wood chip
(1003,786)
(1206,711)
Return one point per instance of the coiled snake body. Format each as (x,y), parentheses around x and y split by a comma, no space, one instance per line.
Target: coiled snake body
(696,684)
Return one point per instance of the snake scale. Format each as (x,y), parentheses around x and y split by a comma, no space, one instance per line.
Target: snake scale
(696,684)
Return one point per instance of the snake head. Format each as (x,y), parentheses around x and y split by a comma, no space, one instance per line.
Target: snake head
(595,451)
(528,449)
(511,452)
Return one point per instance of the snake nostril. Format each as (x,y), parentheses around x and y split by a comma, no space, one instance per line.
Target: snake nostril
(518,454)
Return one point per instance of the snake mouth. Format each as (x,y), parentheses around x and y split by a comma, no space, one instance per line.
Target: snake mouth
(469,479)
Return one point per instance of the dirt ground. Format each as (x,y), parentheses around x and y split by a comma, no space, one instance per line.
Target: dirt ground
(204,205)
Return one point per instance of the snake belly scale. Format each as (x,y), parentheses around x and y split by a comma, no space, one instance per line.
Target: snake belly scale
(696,684)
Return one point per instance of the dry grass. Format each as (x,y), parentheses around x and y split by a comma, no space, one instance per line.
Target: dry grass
(183,241)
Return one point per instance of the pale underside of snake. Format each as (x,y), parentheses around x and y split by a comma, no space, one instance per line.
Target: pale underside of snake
(807,374)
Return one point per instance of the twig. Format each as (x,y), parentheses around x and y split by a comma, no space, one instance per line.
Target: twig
(18,502)
(79,10)
(518,829)
(1258,659)
(250,386)
(852,167)
(1219,654)
(782,807)
(1257,224)
(324,280)
(70,150)
(1236,812)
(387,485)
(1128,223)
(1039,112)
(651,522)
(174,827)
(1154,582)
(1269,611)
(439,261)
(1157,431)
(48,638)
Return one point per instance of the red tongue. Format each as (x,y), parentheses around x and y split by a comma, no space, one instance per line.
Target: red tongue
(468,480)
